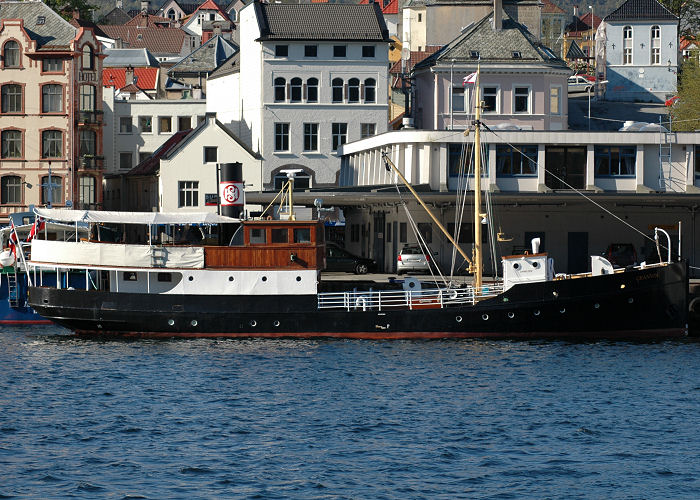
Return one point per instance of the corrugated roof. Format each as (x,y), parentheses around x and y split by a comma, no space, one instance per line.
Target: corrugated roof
(144,78)
(205,58)
(54,33)
(345,22)
(636,10)
(121,58)
(156,40)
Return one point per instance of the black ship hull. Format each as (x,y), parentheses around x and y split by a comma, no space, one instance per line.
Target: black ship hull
(639,303)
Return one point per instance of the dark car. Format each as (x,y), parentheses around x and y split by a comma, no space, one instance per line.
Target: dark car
(621,254)
(339,259)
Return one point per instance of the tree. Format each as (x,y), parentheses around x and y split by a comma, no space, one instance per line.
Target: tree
(686,110)
(688,11)
(65,8)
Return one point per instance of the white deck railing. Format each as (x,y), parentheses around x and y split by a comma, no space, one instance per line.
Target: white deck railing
(378,300)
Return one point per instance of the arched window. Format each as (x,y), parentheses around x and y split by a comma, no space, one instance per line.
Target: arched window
(627,45)
(370,90)
(312,90)
(52,144)
(12,98)
(296,90)
(11,144)
(171,14)
(354,90)
(51,191)
(655,45)
(11,189)
(280,89)
(88,60)
(51,98)
(11,54)
(87,98)
(337,90)
(88,142)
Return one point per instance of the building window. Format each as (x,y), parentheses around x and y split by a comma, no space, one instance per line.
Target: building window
(281,50)
(281,136)
(11,98)
(458,99)
(124,124)
(490,98)
(420,17)
(280,89)
(88,142)
(125,160)
(295,90)
(11,144)
(459,158)
(554,100)
(86,191)
(337,90)
(52,98)
(52,144)
(627,45)
(211,154)
(188,193)
(184,123)
(165,125)
(340,134)
(370,90)
(655,45)
(11,189)
(425,229)
(144,155)
(339,50)
(516,160)
(615,161)
(51,190)
(52,65)
(302,181)
(312,90)
(171,14)
(87,98)
(521,100)
(11,55)
(353,90)
(367,130)
(403,232)
(310,50)
(88,58)
(311,137)
(146,124)
(368,51)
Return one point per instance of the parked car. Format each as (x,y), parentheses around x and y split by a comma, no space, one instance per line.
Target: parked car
(621,254)
(412,259)
(339,259)
(578,83)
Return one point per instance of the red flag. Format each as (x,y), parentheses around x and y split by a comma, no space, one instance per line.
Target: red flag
(37,227)
(13,238)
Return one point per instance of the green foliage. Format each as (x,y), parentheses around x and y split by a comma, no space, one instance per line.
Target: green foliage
(65,8)
(689,13)
(686,111)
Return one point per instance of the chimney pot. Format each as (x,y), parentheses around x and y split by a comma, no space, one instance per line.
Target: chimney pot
(497,15)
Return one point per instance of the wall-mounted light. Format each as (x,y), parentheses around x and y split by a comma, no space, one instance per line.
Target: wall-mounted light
(641,45)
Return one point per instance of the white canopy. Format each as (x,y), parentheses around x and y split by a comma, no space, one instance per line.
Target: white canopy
(98,216)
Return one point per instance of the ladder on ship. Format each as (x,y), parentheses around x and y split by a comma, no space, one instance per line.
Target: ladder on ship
(12,290)
(666,140)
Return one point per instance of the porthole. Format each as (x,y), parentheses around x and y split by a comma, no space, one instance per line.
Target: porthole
(516,266)
(537,312)
(630,300)
(264,278)
(253,322)
(511,315)
(193,322)
(191,278)
(485,317)
(458,319)
(276,323)
(596,305)
(298,278)
(562,310)
(171,322)
(535,265)
(230,278)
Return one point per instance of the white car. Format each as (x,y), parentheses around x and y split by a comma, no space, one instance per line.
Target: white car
(412,259)
(578,83)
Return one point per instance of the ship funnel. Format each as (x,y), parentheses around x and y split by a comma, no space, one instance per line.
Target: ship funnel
(535,242)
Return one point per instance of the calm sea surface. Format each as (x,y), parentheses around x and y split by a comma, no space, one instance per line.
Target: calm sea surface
(346,419)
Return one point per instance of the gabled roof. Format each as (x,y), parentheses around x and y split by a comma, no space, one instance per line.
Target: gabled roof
(144,78)
(575,52)
(211,5)
(52,34)
(121,58)
(228,67)
(135,12)
(586,19)
(84,23)
(207,57)
(347,22)
(512,44)
(151,165)
(550,8)
(638,10)
(149,20)
(576,25)
(156,40)
(115,16)
(387,6)
(688,42)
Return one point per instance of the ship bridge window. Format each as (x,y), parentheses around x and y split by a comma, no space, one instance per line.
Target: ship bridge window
(280,235)
(165,277)
(302,235)
(257,236)
(130,276)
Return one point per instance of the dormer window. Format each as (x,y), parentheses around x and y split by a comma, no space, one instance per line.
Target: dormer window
(517,54)
(40,20)
(474,54)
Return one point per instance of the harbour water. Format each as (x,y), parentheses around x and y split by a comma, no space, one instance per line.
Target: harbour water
(346,419)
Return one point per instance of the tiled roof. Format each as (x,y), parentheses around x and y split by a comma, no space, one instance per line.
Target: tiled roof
(135,12)
(637,10)
(156,40)
(416,57)
(387,6)
(206,57)
(54,33)
(228,67)
(550,8)
(148,20)
(687,41)
(130,89)
(328,21)
(211,5)
(115,16)
(576,26)
(144,78)
(151,165)
(84,23)
(512,44)
(586,18)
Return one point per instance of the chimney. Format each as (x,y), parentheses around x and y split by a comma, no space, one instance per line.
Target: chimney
(129,76)
(144,6)
(76,14)
(575,10)
(497,15)
(120,4)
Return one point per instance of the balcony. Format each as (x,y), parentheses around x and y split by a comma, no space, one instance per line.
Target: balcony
(90,117)
(91,162)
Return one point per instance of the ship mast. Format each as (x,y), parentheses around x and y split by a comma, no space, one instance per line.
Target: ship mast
(477,189)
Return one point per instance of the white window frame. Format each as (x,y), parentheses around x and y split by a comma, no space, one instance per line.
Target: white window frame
(282,133)
(627,45)
(529,99)
(559,100)
(187,194)
(498,98)
(655,49)
(313,136)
